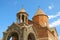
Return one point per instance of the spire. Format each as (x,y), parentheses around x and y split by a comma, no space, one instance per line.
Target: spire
(39,12)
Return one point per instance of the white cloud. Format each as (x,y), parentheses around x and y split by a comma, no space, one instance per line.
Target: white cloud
(50,7)
(59,38)
(55,23)
(53,16)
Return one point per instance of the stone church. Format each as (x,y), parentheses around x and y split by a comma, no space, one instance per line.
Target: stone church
(35,29)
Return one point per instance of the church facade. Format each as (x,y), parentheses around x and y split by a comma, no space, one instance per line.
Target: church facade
(35,29)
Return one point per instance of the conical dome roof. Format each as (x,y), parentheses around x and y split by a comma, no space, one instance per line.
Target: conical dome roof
(22,10)
(39,12)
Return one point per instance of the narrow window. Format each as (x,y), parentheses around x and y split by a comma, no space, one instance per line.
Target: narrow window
(19,19)
(23,18)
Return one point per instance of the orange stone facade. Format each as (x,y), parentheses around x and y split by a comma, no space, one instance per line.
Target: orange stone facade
(35,29)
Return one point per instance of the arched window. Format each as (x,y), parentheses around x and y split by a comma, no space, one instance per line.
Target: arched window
(31,36)
(13,36)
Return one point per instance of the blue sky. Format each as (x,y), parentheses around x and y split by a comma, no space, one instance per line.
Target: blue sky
(9,9)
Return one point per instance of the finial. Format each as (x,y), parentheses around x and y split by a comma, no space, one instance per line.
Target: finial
(39,11)
(22,7)
(38,7)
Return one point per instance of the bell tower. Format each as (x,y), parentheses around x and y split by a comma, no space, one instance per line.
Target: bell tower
(22,16)
(41,18)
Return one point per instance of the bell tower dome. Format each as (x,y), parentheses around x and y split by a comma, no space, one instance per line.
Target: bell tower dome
(41,18)
(22,16)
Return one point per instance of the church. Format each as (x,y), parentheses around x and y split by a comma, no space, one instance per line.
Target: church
(35,29)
